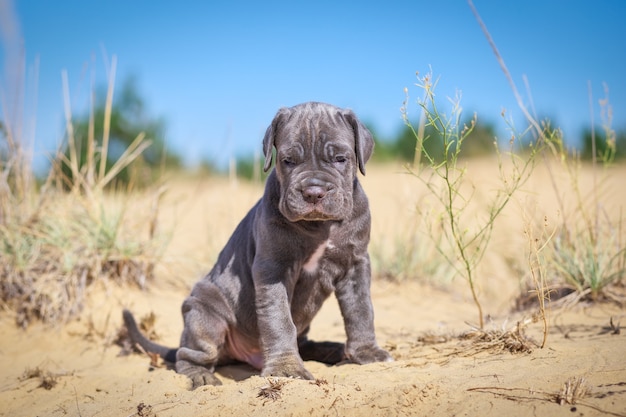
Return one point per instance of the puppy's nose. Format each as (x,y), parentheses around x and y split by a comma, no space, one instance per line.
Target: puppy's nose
(313,194)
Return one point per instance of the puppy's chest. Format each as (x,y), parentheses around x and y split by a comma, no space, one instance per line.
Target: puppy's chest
(314,262)
(316,281)
(324,264)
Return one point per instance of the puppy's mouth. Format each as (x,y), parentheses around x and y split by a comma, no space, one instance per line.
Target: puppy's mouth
(318,215)
(330,206)
(311,212)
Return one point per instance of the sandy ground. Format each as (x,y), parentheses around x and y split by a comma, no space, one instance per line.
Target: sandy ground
(75,369)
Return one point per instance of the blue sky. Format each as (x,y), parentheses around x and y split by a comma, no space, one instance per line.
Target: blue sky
(217,71)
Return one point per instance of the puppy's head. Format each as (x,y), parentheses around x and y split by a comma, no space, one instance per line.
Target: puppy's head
(318,149)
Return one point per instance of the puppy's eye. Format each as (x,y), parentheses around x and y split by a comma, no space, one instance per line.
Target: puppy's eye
(289,162)
(340,159)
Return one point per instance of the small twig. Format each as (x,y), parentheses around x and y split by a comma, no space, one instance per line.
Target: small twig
(76,400)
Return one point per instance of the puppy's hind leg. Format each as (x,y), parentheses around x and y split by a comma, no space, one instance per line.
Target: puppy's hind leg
(202,339)
(198,366)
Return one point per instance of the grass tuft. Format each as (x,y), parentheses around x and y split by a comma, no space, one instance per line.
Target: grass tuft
(47,380)
(55,243)
(573,390)
(589,249)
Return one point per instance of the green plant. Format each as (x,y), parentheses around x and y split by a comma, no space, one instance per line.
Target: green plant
(465,235)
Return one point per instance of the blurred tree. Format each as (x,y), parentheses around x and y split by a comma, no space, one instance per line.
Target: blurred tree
(248,168)
(128,119)
(383,152)
(609,146)
(479,142)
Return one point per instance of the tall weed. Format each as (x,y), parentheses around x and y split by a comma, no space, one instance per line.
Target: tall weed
(464,235)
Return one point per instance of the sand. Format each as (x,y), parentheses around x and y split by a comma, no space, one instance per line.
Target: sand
(76,370)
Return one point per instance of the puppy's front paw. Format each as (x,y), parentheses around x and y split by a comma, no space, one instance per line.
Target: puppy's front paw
(286,367)
(369,354)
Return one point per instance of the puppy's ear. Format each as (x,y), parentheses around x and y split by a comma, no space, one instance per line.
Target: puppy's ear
(268,144)
(364,141)
(269,140)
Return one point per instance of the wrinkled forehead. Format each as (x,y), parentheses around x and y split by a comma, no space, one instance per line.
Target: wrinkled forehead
(314,128)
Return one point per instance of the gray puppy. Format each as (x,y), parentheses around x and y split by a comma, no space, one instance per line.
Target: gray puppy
(306,238)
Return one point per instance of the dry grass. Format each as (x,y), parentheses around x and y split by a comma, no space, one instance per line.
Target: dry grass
(476,340)
(574,390)
(513,340)
(55,244)
(271,391)
(50,260)
(47,380)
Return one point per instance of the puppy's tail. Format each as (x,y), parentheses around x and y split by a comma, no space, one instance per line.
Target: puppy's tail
(168,354)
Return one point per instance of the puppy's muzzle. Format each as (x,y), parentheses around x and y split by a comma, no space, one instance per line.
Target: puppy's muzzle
(314,190)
